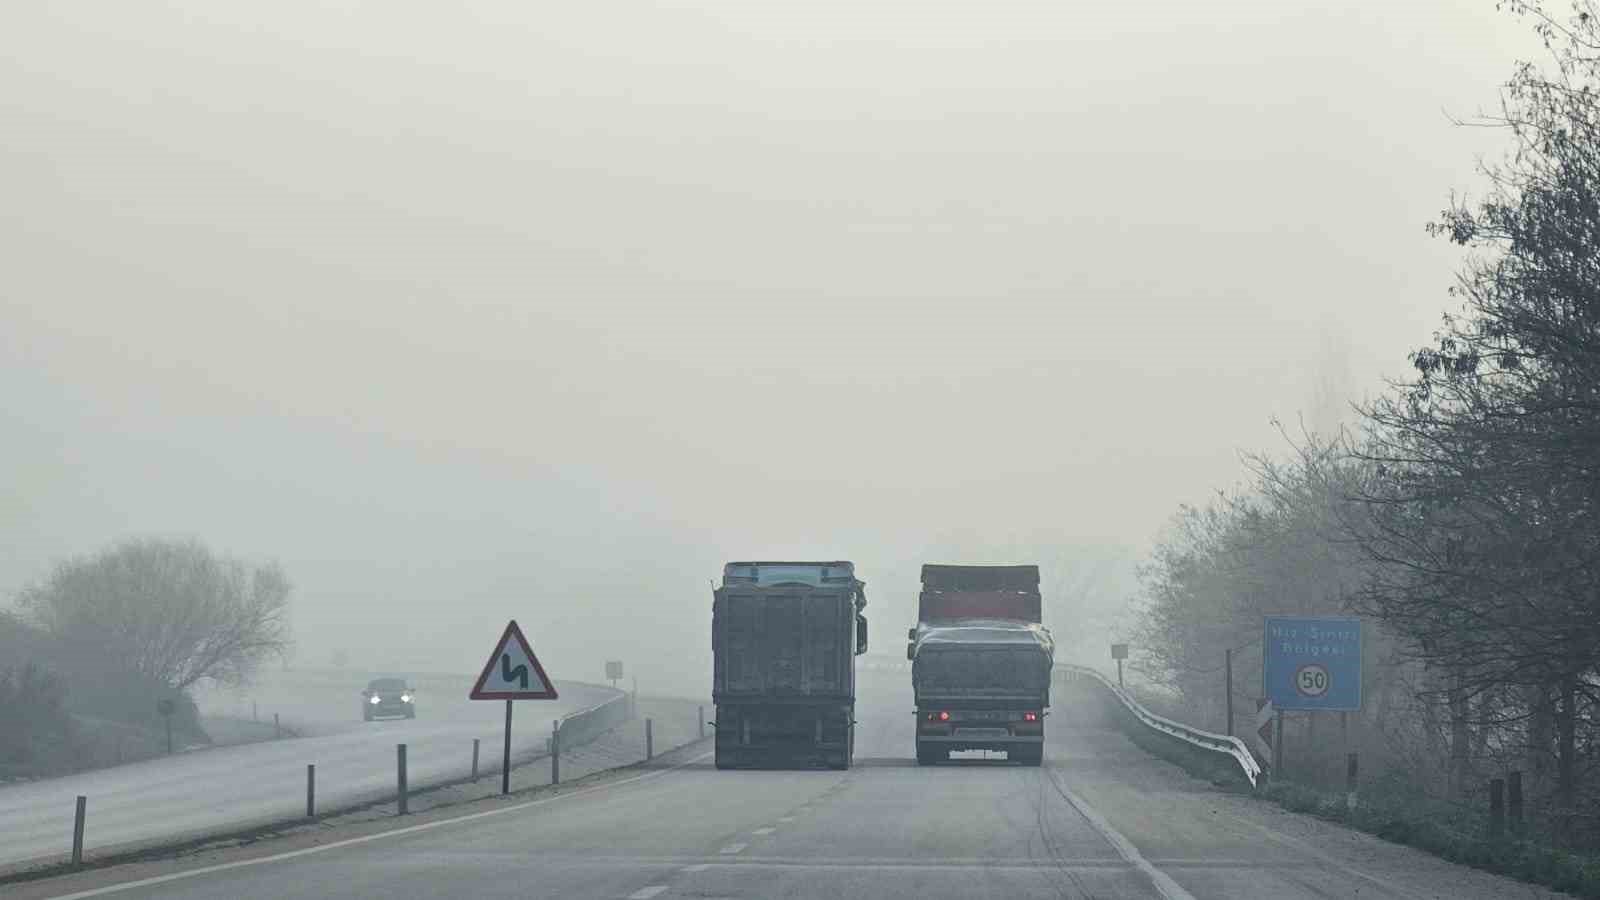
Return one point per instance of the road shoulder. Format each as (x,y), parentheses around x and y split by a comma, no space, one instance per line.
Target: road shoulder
(1184,825)
(614,759)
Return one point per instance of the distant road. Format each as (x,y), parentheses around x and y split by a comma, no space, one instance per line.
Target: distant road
(205,791)
(1100,819)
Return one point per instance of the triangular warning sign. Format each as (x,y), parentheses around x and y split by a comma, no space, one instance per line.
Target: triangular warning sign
(513,672)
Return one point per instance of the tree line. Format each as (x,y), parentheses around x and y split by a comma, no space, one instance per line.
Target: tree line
(88,652)
(1461,515)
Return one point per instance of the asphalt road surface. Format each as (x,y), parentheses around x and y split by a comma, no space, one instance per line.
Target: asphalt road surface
(1101,819)
(204,791)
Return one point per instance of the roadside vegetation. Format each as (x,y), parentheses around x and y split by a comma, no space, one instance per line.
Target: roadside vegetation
(90,654)
(1460,518)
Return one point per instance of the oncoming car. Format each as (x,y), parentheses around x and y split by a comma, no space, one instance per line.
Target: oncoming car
(388,698)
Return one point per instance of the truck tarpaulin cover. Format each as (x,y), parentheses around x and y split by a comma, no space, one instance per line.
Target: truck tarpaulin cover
(982,658)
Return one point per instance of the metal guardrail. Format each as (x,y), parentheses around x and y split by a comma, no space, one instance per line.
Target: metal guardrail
(585,725)
(1205,740)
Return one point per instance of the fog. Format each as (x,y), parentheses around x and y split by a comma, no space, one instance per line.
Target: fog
(465,312)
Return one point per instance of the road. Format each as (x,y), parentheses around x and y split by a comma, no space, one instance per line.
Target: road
(208,790)
(1101,819)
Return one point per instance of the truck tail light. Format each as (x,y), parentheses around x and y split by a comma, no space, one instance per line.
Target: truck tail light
(944,717)
(1030,717)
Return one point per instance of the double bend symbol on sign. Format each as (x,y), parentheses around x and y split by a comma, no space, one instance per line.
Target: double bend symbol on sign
(520,673)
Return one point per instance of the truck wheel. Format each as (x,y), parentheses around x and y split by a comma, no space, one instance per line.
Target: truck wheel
(1028,756)
(724,758)
(928,754)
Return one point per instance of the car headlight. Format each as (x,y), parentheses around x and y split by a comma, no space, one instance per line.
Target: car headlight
(405,698)
(375,701)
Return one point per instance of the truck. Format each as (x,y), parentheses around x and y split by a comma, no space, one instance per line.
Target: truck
(784,638)
(981,660)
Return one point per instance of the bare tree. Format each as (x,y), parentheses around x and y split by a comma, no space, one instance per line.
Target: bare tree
(170,611)
(1485,515)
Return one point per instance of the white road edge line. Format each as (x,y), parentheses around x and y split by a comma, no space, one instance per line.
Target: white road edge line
(646,893)
(366,839)
(1169,889)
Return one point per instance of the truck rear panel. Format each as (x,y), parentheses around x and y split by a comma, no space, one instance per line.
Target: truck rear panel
(981,662)
(790,643)
(784,638)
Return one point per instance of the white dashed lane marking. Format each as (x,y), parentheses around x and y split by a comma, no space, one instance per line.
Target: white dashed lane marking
(731,849)
(764,831)
(647,892)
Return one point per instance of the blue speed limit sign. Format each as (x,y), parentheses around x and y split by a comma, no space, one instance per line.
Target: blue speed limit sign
(1311,663)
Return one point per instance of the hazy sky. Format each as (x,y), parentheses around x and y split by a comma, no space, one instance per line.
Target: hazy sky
(465,311)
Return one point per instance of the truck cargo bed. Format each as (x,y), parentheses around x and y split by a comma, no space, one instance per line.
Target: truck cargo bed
(784,643)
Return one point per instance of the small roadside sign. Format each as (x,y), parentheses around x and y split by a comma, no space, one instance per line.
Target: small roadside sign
(513,672)
(1262,738)
(1119,651)
(614,669)
(1312,663)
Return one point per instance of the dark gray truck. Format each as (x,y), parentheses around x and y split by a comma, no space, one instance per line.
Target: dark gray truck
(784,637)
(980,662)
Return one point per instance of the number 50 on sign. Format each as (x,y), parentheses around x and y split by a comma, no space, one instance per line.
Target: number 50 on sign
(1312,663)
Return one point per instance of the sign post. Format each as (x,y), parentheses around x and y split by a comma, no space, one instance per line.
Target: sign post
(505,758)
(1309,663)
(1227,686)
(512,673)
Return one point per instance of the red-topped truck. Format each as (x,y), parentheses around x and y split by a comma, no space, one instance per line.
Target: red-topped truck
(980,662)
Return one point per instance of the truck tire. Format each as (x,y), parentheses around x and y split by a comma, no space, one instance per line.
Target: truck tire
(1029,755)
(928,754)
(725,759)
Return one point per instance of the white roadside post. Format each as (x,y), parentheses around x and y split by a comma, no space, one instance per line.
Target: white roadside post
(77,830)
